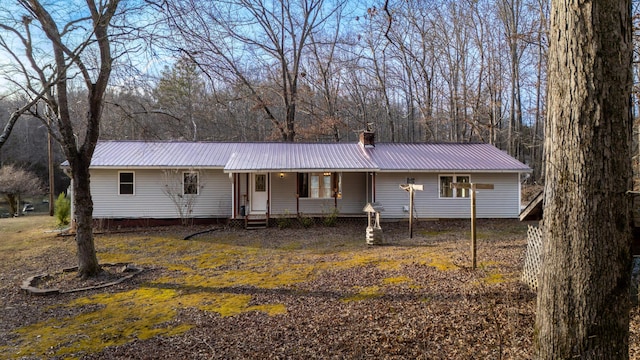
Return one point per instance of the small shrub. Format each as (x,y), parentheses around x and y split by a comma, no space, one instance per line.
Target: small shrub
(62,210)
(305,221)
(332,218)
(284,222)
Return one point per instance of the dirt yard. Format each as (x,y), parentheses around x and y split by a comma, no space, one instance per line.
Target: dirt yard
(294,293)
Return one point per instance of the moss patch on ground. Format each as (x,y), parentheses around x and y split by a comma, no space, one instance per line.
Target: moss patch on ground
(212,274)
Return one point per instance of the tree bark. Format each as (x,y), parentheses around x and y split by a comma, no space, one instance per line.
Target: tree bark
(583,300)
(83,213)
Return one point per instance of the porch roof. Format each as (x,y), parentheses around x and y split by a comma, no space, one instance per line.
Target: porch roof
(300,157)
(289,157)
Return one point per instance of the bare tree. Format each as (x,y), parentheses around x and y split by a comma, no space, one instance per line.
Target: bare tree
(15,182)
(510,15)
(323,77)
(80,50)
(260,45)
(583,299)
(182,188)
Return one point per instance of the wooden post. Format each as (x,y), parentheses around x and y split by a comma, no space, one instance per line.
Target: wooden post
(51,173)
(411,214)
(472,189)
(411,188)
(473,227)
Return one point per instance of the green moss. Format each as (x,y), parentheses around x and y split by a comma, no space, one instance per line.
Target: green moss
(396,280)
(442,263)
(229,304)
(293,245)
(365,293)
(494,278)
(146,313)
(200,275)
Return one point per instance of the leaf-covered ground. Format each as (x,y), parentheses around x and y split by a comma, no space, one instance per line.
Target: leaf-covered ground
(292,293)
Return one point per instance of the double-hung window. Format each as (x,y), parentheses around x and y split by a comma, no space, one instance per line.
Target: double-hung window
(319,185)
(446,191)
(126,183)
(190,184)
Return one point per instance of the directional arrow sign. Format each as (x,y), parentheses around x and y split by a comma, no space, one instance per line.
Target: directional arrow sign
(473,187)
(411,188)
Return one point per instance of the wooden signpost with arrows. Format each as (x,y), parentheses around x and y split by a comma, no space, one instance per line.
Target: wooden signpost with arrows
(472,187)
(411,188)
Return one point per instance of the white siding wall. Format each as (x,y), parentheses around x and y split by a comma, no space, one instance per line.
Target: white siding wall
(283,196)
(149,201)
(354,193)
(215,196)
(502,202)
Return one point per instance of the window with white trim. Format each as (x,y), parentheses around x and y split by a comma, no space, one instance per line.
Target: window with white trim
(446,191)
(319,185)
(126,183)
(190,184)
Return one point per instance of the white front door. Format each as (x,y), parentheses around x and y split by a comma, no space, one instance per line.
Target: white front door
(259,196)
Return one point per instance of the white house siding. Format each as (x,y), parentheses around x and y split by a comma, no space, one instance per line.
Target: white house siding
(354,193)
(502,202)
(283,196)
(149,200)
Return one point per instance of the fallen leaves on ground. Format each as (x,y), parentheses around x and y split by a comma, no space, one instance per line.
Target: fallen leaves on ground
(295,293)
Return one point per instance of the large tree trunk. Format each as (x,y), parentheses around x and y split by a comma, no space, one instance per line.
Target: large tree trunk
(83,213)
(583,300)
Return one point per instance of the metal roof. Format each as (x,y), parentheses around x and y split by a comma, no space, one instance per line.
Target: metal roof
(249,157)
(162,154)
(443,157)
(300,156)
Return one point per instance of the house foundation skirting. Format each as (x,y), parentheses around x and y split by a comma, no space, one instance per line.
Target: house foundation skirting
(113,223)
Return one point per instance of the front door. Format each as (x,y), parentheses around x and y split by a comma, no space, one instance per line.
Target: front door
(259,196)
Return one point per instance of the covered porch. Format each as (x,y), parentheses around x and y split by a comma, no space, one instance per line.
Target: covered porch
(315,193)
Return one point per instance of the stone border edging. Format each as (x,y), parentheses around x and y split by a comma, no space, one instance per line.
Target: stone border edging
(28,287)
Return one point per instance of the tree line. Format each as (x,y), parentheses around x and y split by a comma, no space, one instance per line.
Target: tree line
(320,70)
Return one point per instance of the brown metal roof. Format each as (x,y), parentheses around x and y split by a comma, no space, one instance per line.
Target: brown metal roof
(299,156)
(249,157)
(443,157)
(162,154)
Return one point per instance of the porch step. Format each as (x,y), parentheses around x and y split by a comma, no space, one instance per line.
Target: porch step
(252,222)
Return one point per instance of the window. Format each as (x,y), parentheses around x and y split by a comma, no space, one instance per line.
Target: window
(190,183)
(445,186)
(318,185)
(126,183)
(261,183)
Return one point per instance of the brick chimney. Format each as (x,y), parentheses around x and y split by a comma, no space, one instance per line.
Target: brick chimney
(367,137)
